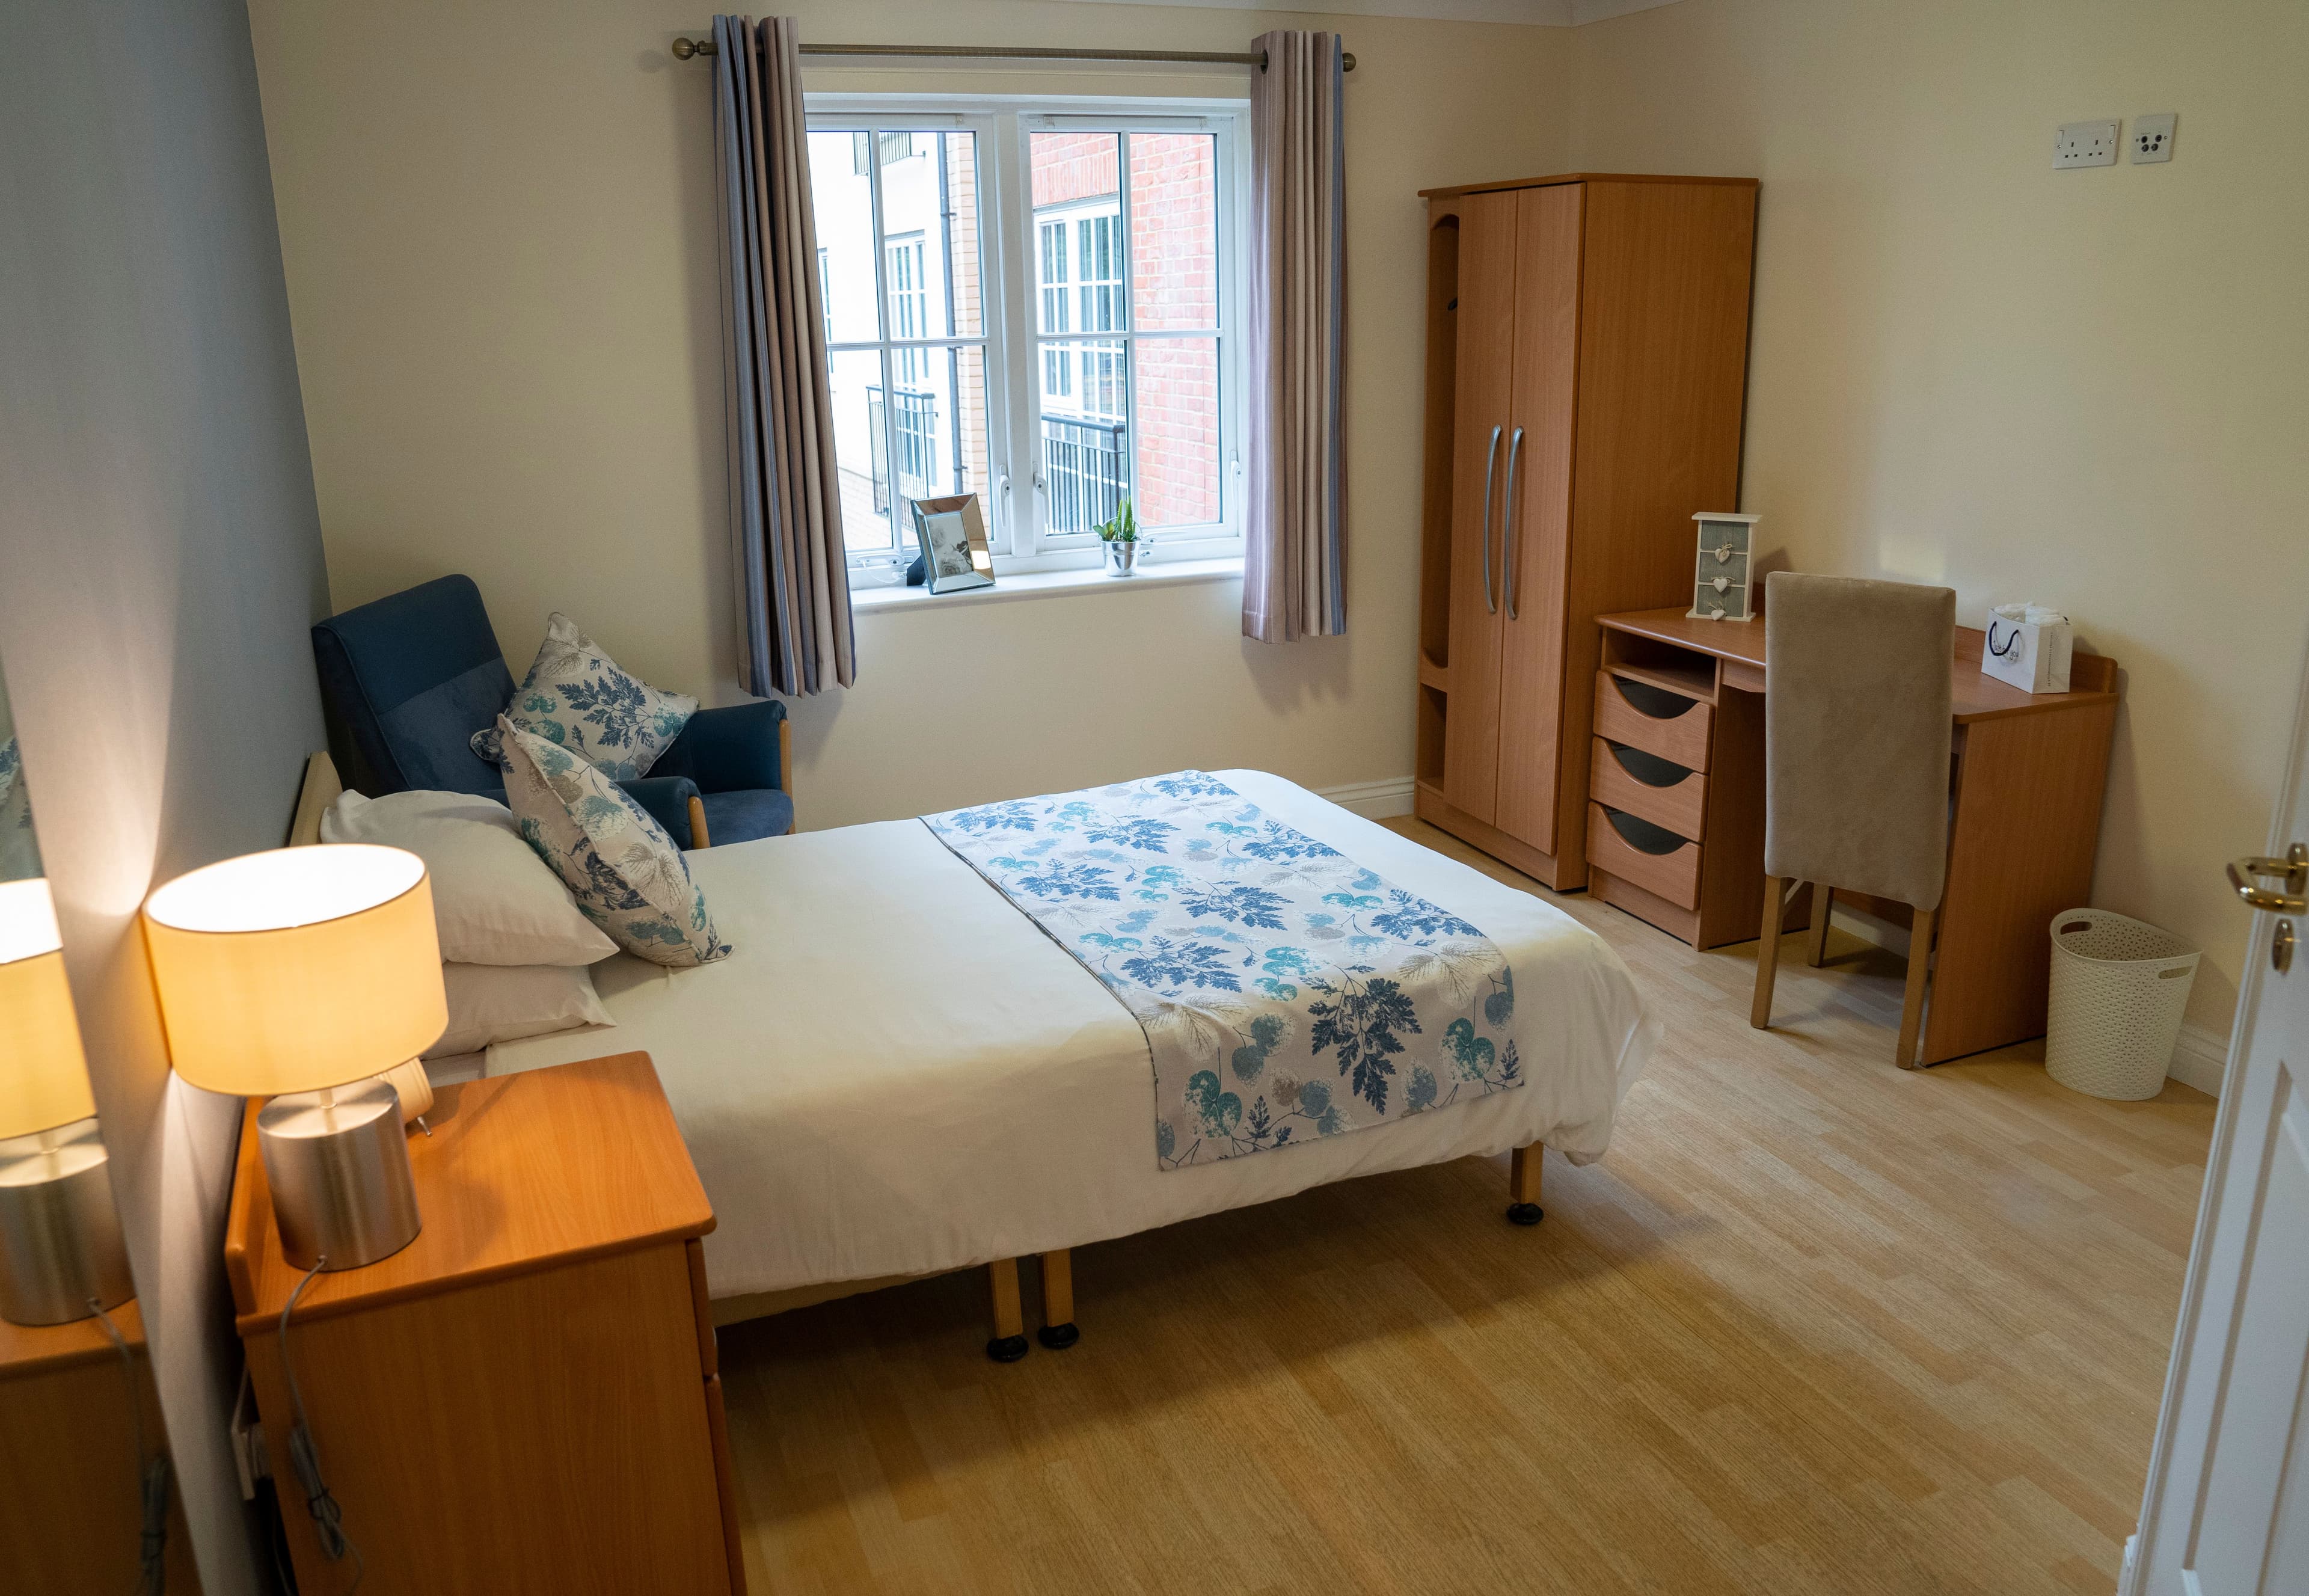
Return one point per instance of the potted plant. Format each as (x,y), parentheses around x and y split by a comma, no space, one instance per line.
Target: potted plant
(1119,536)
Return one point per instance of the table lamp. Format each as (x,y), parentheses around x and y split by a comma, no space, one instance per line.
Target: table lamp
(60,1247)
(300,975)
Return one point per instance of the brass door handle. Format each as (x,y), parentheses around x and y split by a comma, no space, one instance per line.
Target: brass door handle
(2292,898)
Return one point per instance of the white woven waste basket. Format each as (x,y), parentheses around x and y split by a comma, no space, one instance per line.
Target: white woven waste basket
(2119,988)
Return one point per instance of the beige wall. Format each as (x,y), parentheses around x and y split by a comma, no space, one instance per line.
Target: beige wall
(160,564)
(2080,386)
(499,222)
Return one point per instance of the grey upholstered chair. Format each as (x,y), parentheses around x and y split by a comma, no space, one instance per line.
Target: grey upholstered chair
(1856,735)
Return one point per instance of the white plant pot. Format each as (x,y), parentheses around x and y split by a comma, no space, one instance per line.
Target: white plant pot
(1121,558)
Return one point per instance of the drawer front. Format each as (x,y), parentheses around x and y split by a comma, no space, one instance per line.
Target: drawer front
(1628,780)
(1673,875)
(1635,713)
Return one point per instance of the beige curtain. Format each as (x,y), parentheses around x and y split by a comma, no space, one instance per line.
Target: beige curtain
(785,501)
(1294,559)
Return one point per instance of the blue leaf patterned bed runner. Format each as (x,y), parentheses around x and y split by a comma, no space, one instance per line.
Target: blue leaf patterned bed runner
(1286,991)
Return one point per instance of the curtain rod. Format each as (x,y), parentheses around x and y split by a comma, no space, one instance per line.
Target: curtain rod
(684,48)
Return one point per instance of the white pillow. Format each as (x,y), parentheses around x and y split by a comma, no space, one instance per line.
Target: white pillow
(494,900)
(502,1002)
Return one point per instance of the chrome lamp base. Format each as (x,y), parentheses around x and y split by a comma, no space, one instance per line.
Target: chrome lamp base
(338,1163)
(61,1255)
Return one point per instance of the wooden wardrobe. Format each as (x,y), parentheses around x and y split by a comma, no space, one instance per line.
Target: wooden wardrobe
(1587,365)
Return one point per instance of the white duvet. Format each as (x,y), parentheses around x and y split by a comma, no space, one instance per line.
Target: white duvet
(897,1073)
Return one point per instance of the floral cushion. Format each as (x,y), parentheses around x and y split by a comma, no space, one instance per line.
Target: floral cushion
(575,695)
(624,870)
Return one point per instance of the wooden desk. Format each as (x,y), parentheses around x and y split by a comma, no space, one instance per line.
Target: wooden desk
(524,1398)
(2026,786)
(70,1517)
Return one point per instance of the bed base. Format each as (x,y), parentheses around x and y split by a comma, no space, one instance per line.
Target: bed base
(1059,1331)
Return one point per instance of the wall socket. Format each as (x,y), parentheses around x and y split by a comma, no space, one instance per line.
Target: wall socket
(2152,138)
(2085,144)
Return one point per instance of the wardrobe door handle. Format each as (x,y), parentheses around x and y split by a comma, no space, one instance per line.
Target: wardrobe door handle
(1507,527)
(1490,461)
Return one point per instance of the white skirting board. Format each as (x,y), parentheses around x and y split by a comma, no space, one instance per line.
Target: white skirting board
(2199,1057)
(1372,800)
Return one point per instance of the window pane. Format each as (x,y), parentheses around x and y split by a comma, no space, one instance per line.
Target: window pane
(1082,378)
(938,419)
(862,448)
(841,196)
(930,205)
(1078,275)
(1174,245)
(1176,390)
(1084,441)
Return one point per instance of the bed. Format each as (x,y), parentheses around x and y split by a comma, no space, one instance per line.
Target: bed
(989,1099)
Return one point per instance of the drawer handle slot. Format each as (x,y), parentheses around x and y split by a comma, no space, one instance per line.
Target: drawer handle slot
(1648,768)
(1656,702)
(1641,834)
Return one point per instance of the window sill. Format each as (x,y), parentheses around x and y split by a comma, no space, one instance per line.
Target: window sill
(1048,583)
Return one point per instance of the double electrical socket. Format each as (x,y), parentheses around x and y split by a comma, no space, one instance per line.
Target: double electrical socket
(2095,144)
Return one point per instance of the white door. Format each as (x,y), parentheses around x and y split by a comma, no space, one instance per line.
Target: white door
(2227,1512)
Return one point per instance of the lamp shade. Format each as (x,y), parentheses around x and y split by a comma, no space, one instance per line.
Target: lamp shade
(297,970)
(43,1074)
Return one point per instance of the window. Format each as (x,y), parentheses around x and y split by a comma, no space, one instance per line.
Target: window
(1112,371)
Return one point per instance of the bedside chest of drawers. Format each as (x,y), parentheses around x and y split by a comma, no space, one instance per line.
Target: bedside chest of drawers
(69,1518)
(525,1398)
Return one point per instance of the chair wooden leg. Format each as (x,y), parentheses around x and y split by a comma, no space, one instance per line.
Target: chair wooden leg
(1768,950)
(1816,945)
(1059,1331)
(1911,1005)
(699,838)
(785,766)
(1010,1342)
(1523,1184)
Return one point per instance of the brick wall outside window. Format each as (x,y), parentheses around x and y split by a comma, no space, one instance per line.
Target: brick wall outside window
(970,365)
(1174,283)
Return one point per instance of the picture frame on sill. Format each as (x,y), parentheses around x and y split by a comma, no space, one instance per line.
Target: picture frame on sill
(952,532)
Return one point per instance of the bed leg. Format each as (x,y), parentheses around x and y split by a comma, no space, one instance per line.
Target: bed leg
(1058,1330)
(1523,1184)
(1010,1342)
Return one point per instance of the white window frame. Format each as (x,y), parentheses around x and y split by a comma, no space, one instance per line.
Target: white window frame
(1016,505)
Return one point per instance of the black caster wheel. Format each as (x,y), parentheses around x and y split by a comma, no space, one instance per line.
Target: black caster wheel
(1007,1349)
(1525,1213)
(1058,1338)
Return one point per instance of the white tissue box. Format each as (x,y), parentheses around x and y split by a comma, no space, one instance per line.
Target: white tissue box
(2027,646)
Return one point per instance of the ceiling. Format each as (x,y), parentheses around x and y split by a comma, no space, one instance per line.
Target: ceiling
(1541,14)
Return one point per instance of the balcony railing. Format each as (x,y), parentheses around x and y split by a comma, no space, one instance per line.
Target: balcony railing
(916,427)
(1084,464)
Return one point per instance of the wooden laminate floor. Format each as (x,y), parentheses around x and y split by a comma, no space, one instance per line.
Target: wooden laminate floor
(1814,1324)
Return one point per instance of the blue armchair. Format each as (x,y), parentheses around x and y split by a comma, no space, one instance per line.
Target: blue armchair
(406,681)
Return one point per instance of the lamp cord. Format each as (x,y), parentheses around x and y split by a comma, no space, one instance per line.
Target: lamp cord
(304,1457)
(152,1473)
